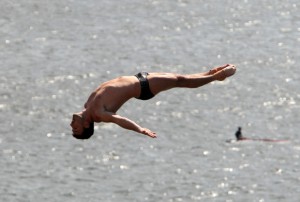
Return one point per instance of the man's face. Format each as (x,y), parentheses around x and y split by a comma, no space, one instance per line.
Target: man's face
(77,124)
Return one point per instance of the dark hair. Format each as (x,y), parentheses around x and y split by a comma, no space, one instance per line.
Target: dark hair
(87,132)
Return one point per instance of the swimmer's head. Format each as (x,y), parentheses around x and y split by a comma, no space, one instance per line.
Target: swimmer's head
(80,129)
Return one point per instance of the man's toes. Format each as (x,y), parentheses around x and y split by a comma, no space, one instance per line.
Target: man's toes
(229,70)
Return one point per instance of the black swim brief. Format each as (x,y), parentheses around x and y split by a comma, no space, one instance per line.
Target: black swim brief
(146,93)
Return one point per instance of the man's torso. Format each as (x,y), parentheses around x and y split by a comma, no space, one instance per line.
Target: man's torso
(111,95)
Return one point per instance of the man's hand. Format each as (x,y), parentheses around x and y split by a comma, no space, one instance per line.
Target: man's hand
(148,132)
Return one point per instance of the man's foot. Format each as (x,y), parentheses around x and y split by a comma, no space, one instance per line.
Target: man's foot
(223,72)
(216,69)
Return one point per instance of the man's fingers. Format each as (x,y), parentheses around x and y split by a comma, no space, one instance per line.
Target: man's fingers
(154,136)
(149,133)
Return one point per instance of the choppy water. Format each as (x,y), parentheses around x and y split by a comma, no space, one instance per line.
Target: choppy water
(53,53)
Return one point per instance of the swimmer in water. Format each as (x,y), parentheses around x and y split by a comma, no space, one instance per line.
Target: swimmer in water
(105,101)
(239,135)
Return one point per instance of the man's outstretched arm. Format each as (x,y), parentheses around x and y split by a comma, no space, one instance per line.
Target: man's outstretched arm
(126,123)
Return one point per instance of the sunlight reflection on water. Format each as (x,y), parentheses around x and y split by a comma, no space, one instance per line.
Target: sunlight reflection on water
(53,54)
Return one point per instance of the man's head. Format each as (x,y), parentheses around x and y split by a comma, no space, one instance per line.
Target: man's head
(80,128)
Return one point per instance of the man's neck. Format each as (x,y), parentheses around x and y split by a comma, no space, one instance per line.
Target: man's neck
(86,116)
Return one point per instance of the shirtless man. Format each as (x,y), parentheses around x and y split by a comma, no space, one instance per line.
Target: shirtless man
(105,101)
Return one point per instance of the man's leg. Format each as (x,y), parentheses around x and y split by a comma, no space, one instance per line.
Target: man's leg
(163,81)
